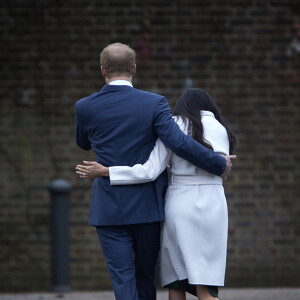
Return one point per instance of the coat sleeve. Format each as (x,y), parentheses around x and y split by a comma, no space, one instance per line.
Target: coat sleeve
(81,136)
(216,134)
(141,173)
(183,145)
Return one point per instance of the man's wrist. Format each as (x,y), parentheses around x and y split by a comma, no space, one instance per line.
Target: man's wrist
(223,168)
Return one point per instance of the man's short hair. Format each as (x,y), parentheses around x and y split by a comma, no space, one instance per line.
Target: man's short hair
(117,59)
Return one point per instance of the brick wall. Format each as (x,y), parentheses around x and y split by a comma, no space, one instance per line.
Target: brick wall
(245,53)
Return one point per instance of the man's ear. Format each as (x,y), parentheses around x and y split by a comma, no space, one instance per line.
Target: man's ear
(133,70)
(103,71)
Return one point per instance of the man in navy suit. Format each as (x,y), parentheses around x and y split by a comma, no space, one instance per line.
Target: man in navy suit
(121,125)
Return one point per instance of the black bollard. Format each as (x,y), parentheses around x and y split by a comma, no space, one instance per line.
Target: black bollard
(60,194)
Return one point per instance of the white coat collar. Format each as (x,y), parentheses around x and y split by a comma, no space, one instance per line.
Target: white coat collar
(207,113)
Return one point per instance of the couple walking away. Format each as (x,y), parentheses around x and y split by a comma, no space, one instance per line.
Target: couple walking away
(140,215)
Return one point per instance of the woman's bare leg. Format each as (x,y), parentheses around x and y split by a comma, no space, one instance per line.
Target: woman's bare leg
(204,294)
(177,294)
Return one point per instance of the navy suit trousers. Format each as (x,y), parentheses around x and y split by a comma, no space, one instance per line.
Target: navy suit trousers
(131,253)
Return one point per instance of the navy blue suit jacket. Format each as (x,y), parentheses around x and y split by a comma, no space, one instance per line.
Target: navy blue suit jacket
(121,125)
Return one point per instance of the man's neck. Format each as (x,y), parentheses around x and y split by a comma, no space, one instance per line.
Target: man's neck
(108,80)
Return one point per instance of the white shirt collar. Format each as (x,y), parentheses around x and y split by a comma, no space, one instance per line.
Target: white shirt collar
(206,113)
(120,82)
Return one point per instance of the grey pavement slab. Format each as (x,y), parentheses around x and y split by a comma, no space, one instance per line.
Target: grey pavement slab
(225,294)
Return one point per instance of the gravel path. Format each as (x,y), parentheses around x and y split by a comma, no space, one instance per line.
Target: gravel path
(225,294)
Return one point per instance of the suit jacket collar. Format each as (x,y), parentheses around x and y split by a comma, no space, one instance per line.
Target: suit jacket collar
(116,88)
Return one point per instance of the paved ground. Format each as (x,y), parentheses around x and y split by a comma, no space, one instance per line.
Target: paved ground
(225,294)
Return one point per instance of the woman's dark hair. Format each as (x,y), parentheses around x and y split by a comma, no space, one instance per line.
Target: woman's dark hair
(188,106)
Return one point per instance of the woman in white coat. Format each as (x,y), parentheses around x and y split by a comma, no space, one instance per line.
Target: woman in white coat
(194,235)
